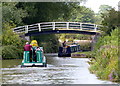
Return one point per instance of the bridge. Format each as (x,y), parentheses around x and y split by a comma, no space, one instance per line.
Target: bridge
(58,27)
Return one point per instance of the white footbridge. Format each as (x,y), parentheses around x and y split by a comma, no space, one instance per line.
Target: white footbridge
(48,26)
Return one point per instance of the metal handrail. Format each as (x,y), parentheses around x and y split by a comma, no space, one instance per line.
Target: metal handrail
(54,26)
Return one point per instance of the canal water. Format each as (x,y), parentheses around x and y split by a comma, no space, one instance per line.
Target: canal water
(60,70)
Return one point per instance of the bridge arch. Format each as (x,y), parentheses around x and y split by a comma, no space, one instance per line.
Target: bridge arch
(61,31)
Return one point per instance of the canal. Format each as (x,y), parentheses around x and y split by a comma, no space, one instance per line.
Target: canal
(60,70)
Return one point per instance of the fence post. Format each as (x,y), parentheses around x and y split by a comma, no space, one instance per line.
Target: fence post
(39,27)
(53,25)
(26,29)
(67,25)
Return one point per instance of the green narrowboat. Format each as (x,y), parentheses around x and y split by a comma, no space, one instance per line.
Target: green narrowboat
(35,59)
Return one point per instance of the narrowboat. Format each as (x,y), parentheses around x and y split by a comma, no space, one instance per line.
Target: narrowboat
(38,59)
(66,51)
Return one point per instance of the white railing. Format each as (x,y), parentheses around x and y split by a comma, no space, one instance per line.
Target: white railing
(55,26)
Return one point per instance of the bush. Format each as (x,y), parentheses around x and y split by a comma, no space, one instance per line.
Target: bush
(10,52)
(106,53)
(12,44)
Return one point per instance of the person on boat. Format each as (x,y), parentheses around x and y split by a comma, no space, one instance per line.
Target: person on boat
(34,47)
(39,49)
(28,47)
(34,43)
(64,44)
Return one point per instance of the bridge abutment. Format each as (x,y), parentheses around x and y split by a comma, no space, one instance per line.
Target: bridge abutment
(27,38)
(94,40)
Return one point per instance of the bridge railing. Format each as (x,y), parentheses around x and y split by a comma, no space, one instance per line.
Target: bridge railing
(55,26)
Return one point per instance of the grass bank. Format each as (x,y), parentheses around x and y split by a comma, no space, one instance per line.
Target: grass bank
(104,61)
(105,64)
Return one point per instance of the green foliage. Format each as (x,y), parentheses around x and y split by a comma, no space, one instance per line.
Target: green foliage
(53,11)
(11,52)
(10,13)
(70,40)
(11,42)
(46,11)
(85,46)
(106,53)
(8,35)
(110,21)
(21,13)
(71,37)
(48,41)
(82,14)
(74,36)
(56,11)
(98,19)
(106,50)
(104,9)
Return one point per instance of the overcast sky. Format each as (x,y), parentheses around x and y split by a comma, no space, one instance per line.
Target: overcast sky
(94,4)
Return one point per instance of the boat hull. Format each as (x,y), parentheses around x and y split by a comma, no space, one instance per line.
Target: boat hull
(34,65)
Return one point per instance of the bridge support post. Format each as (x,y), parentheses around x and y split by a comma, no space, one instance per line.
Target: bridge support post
(25,37)
(67,25)
(53,25)
(39,27)
(80,26)
(26,29)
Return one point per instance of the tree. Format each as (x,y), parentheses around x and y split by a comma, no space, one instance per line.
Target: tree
(10,13)
(46,11)
(104,8)
(48,42)
(82,14)
(110,21)
(12,43)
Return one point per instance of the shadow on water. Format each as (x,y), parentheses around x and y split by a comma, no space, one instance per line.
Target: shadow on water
(60,70)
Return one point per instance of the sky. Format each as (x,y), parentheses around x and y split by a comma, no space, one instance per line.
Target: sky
(95,4)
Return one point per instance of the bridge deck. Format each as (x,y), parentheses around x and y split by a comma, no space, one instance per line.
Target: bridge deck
(55,26)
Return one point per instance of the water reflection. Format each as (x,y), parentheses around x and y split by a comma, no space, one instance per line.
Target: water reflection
(59,71)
